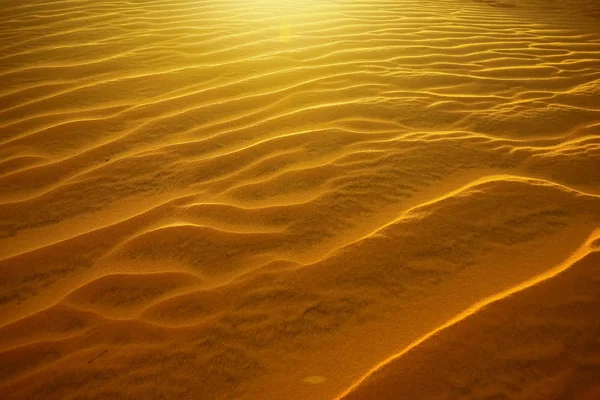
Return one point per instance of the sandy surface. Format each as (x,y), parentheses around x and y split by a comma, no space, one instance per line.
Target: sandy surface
(301,199)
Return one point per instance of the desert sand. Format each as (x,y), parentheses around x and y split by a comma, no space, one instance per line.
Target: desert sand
(324,200)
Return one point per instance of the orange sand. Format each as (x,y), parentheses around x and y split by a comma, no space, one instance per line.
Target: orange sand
(260,199)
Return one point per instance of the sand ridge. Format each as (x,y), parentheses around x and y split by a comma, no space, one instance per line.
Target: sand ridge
(260,199)
(526,318)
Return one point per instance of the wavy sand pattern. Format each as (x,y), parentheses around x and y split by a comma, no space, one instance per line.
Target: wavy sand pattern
(303,199)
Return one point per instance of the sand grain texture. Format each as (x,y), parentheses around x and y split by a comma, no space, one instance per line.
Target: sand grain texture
(299,199)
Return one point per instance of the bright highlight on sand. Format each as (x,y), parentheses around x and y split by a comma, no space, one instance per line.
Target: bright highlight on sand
(314,380)
(318,200)
(285,31)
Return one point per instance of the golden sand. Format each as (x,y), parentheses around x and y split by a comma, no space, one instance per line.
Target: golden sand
(261,199)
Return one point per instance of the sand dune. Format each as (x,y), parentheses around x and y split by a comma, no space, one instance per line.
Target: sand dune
(299,199)
(548,347)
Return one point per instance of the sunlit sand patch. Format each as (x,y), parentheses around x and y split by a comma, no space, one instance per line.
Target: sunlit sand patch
(314,380)
(285,31)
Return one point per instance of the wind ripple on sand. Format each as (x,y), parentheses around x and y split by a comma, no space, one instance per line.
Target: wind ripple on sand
(266,200)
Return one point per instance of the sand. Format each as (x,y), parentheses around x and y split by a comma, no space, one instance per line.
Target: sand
(328,200)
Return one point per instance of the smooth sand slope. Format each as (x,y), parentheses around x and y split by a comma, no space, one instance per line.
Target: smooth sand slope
(535,345)
(302,199)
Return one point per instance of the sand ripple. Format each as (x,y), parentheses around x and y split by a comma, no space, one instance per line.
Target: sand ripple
(298,199)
